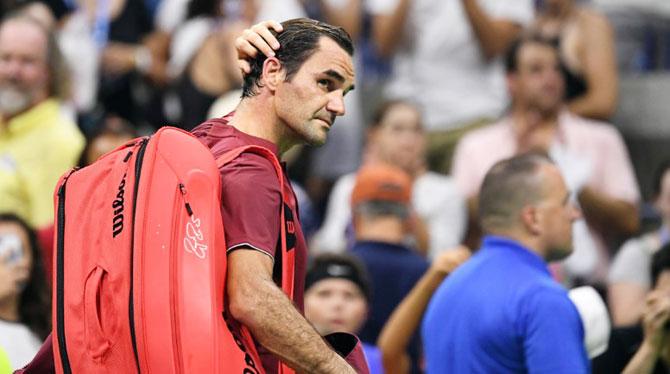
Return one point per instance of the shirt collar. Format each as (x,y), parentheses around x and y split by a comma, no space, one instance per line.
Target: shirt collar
(494,242)
(250,138)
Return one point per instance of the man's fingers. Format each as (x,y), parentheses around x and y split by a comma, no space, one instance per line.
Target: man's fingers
(274,24)
(244,66)
(267,36)
(244,49)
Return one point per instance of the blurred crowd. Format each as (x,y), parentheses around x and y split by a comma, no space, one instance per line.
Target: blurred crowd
(445,90)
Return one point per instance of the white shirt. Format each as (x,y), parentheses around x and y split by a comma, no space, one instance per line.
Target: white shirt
(19,343)
(435,198)
(439,65)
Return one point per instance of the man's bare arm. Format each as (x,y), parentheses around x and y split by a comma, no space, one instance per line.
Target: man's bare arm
(494,35)
(608,213)
(257,302)
(385,28)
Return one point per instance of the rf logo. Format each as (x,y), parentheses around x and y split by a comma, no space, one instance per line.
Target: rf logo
(193,242)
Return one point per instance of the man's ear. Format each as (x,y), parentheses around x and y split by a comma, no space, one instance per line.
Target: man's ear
(273,73)
(530,219)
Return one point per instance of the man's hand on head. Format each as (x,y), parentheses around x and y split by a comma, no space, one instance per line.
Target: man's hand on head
(257,38)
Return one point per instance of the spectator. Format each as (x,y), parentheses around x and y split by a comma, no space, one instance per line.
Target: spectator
(501,311)
(131,57)
(337,296)
(113,133)
(629,280)
(402,325)
(591,155)
(37,142)
(24,297)
(202,62)
(382,217)
(446,58)
(396,136)
(585,40)
(644,347)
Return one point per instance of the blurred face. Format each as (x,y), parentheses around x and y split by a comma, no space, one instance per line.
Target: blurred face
(23,66)
(537,84)
(399,138)
(663,199)
(103,144)
(15,258)
(555,214)
(310,101)
(335,305)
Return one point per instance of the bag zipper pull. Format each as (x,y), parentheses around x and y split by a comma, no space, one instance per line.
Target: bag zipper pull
(182,189)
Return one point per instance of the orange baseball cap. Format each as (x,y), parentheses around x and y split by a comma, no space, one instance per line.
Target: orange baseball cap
(381,183)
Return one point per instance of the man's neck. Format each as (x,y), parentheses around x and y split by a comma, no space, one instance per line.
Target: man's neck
(9,309)
(525,240)
(254,116)
(381,229)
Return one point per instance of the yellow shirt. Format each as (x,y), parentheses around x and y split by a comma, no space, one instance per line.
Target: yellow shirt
(36,148)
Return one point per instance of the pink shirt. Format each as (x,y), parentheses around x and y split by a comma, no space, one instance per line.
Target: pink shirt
(600,142)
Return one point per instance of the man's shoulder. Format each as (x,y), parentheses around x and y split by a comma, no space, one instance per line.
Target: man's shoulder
(482,137)
(591,129)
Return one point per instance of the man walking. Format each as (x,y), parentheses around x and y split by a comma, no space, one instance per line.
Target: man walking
(501,311)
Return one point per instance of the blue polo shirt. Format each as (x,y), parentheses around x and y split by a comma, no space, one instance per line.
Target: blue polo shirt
(501,312)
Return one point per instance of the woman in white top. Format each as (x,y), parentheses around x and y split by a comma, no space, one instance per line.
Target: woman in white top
(24,298)
(629,279)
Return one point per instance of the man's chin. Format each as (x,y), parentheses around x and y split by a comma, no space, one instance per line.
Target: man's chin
(13,101)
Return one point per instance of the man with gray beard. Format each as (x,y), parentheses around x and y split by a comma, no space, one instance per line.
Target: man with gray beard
(37,142)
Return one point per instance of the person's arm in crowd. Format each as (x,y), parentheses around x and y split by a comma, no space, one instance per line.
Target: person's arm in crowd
(257,303)
(655,318)
(386,27)
(608,213)
(626,302)
(494,35)
(599,69)
(420,232)
(347,16)
(398,330)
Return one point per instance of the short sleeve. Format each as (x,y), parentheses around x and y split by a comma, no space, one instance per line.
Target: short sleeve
(619,177)
(553,336)
(250,204)
(631,264)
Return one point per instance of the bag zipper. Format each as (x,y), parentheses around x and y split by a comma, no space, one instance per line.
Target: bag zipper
(131,307)
(60,281)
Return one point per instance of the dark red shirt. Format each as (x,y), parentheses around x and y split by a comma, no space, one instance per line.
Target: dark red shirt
(251,203)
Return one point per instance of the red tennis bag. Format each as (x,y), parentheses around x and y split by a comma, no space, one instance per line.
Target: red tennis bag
(140,266)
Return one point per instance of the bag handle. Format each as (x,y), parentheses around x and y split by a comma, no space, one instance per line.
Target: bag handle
(288,257)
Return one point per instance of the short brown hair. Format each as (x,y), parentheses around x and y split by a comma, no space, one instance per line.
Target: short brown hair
(298,41)
(508,186)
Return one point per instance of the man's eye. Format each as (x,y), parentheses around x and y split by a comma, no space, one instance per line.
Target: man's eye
(325,83)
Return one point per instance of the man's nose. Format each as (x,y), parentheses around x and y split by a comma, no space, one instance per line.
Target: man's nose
(336,103)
